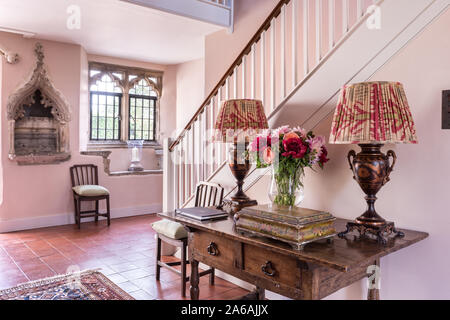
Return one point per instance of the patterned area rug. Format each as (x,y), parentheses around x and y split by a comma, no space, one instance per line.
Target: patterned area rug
(85,285)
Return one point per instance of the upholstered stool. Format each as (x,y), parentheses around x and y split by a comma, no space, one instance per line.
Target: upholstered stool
(170,229)
(173,233)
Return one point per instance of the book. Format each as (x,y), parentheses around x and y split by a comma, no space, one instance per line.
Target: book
(201,213)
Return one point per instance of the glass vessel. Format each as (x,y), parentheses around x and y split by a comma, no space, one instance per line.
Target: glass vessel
(286,188)
(136,155)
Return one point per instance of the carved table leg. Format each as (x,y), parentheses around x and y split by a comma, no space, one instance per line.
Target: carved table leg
(373,294)
(260,293)
(195,291)
(374,281)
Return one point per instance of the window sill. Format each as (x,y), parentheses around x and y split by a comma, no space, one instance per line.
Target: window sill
(135,173)
(95,146)
(106,162)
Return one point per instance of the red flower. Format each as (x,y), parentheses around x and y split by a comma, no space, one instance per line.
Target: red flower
(294,147)
(323,157)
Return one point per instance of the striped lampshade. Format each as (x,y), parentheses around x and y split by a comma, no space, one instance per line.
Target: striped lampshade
(240,119)
(373,112)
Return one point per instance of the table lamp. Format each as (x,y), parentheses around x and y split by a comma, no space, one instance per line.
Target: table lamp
(372,114)
(237,122)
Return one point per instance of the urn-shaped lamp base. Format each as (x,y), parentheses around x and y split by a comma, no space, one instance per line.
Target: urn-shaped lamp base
(371,169)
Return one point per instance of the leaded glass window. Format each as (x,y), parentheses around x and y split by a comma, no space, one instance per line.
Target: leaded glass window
(142,107)
(124,103)
(105,101)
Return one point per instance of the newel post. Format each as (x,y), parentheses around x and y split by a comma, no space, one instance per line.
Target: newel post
(168,187)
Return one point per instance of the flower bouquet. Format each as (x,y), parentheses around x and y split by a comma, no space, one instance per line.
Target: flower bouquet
(289,151)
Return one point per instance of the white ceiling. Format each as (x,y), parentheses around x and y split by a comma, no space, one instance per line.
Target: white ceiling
(111,28)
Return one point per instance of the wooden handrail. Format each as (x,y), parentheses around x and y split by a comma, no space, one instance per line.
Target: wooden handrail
(266,24)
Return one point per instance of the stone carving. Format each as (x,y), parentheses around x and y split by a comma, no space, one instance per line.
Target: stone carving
(10,57)
(50,98)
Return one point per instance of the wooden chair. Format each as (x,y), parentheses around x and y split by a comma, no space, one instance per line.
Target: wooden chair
(207,195)
(85,188)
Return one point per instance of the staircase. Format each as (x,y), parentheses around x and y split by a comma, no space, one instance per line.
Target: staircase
(295,63)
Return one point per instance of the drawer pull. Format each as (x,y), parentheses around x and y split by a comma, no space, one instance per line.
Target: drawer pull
(268,269)
(212,249)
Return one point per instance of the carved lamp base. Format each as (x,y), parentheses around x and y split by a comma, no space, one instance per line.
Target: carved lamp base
(381,233)
(240,167)
(371,169)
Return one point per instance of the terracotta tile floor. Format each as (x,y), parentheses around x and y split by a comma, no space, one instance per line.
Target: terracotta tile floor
(125,252)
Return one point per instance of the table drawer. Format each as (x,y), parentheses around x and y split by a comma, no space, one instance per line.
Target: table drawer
(272,266)
(217,249)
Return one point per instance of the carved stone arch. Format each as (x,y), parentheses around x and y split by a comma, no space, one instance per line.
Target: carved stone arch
(51,97)
(150,83)
(117,82)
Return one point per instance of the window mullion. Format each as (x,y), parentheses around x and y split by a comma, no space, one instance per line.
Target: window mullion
(125,123)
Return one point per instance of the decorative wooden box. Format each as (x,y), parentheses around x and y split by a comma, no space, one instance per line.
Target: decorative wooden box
(296,226)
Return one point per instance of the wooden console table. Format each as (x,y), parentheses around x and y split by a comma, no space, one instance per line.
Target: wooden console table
(314,273)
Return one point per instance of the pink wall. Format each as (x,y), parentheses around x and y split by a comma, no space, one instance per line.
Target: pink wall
(222,47)
(38,193)
(190,90)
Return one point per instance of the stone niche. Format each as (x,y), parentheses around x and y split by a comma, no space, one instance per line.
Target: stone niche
(38,118)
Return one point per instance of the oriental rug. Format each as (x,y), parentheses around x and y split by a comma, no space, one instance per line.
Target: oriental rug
(84,285)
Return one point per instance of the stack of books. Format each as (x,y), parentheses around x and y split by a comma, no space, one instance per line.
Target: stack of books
(202,214)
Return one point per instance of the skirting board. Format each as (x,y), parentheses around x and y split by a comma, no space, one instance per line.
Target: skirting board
(68,218)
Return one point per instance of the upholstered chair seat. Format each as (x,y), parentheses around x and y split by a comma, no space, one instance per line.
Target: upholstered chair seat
(90,191)
(170,229)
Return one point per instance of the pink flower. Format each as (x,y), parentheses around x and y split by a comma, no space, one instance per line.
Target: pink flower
(295,148)
(253,147)
(268,155)
(316,145)
(303,132)
(282,130)
(290,135)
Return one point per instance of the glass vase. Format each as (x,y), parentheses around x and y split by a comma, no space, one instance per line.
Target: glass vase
(286,187)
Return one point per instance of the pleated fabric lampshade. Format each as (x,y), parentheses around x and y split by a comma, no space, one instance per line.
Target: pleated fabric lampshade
(240,119)
(373,112)
(237,122)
